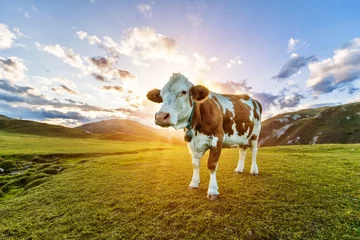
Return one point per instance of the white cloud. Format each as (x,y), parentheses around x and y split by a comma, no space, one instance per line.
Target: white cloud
(141,44)
(6,37)
(234,61)
(55,80)
(337,72)
(12,69)
(66,54)
(200,63)
(81,34)
(213,59)
(91,39)
(146,44)
(19,33)
(292,44)
(145,10)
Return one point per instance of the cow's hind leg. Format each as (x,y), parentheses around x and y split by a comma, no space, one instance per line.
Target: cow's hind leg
(254,149)
(241,162)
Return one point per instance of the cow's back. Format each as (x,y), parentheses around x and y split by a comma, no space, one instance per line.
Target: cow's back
(241,118)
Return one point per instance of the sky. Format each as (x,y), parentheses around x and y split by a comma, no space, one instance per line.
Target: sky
(73,62)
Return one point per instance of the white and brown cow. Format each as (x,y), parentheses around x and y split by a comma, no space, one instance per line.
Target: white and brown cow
(214,121)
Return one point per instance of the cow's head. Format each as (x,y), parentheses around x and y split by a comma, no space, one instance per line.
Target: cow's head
(177,98)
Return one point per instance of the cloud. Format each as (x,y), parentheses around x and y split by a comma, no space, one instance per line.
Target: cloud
(317,105)
(234,61)
(66,89)
(54,80)
(266,99)
(99,77)
(284,99)
(213,59)
(141,44)
(12,69)
(288,100)
(65,54)
(91,39)
(100,62)
(232,87)
(194,19)
(292,44)
(200,63)
(24,94)
(101,68)
(145,10)
(293,66)
(19,33)
(115,88)
(337,72)
(6,37)
(126,75)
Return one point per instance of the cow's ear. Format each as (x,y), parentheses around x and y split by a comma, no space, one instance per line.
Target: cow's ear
(199,93)
(154,95)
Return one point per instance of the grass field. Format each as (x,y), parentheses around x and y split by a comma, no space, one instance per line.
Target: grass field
(97,189)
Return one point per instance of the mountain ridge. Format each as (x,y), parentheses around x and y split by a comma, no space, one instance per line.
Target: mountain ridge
(331,124)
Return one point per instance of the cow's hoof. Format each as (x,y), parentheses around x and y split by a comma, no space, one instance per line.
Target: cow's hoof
(237,172)
(193,188)
(212,197)
(254,174)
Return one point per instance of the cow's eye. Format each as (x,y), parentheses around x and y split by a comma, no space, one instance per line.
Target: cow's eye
(183,92)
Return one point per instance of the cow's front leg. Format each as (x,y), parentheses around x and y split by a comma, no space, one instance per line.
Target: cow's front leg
(195,159)
(195,181)
(213,190)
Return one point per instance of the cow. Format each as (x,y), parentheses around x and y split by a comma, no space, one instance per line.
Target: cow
(212,120)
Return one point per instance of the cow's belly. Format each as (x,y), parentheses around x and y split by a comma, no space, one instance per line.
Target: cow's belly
(235,141)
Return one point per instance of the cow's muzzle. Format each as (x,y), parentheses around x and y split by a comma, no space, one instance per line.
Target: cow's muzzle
(162,119)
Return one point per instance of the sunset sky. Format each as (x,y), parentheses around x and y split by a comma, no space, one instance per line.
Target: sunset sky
(72,62)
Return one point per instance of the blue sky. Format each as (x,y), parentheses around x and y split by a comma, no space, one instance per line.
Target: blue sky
(70,62)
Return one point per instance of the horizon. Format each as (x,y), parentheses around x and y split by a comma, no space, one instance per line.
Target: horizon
(98,63)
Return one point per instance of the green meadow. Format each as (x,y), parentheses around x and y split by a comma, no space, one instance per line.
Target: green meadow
(62,188)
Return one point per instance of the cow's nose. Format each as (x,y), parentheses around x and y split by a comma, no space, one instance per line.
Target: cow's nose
(162,119)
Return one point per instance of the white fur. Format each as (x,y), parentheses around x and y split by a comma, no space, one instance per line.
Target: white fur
(224,102)
(214,141)
(241,163)
(213,186)
(174,103)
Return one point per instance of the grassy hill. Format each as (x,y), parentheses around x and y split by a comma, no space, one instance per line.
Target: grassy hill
(98,189)
(42,129)
(338,124)
(116,128)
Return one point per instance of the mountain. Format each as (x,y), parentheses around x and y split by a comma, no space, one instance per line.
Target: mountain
(111,128)
(337,124)
(41,129)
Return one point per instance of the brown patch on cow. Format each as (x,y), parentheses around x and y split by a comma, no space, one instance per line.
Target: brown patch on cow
(199,93)
(244,96)
(154,95)
(228,122)
(209,119)
(253,137)
(256,112)
(242,114)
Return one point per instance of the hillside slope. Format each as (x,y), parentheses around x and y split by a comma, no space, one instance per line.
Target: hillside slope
(337,124)
(115,126)
(41,129)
